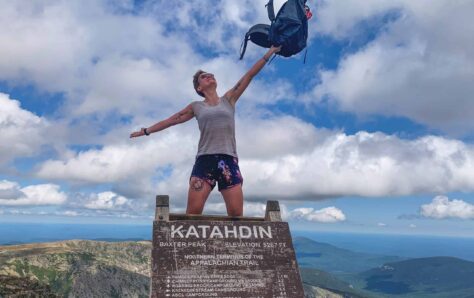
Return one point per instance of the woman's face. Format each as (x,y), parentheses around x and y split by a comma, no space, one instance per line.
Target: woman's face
(206,79)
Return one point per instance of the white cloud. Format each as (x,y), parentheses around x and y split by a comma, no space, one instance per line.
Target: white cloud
(258,209)
(68,38)
(108,201)
(420,67)
(215,28)
(254,209)
(105,204)
(11,194)
(20,212)
(280,158)
(22,131)
(79,213)
(81,54)
(51,33)
(69,213)
(134,160)
(412,226)
(325,215)
(9,189)
(339,19)
(276,137)
(441,207)
(381,224)
(251,209)
(77,50)
(364,164)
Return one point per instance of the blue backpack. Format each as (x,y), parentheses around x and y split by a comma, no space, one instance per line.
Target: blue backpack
(289,29)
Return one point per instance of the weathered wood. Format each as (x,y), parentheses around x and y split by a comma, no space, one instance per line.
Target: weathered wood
(175,216)
(272,212)
(223,256)
(224,259)
(162,210)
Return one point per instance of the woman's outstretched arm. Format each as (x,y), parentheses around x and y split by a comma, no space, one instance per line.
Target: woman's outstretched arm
(180,117)
(233,94)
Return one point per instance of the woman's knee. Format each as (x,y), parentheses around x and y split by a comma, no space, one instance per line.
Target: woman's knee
(234,212)
(195,205)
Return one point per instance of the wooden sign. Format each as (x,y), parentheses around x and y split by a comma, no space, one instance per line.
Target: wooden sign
(211,256)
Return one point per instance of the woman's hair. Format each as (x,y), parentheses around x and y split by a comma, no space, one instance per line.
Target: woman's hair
(196,81)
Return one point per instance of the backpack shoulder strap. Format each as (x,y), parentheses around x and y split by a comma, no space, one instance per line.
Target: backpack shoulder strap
(258,34)
(243,46)
(270,10)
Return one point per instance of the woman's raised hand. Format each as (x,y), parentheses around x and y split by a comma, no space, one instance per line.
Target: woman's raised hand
(137,134)
(275,49)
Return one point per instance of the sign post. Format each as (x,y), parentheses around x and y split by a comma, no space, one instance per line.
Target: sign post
(221,256)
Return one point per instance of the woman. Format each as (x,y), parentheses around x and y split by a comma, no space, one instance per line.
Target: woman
(216,160)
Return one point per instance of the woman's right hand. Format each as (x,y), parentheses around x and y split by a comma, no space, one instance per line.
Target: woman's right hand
(137,134)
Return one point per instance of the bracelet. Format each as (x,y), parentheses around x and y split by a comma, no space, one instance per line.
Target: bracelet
(264,58)
(145,132)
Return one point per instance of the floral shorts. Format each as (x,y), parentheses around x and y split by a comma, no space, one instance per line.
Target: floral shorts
(220,168)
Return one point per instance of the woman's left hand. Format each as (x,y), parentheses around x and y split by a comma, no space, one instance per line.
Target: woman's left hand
(274,49)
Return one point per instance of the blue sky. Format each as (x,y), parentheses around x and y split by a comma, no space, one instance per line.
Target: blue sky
(374,133)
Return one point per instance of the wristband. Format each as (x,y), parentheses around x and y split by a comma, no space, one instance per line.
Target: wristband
(145,132)
(264,58)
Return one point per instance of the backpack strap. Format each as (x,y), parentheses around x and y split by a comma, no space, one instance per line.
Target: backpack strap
(273,57)
(243,46)
(258,34)
(270,10)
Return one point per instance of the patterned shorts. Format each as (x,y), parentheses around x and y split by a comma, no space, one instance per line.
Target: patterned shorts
(220,168)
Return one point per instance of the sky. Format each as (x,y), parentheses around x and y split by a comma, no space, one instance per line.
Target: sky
(372,134)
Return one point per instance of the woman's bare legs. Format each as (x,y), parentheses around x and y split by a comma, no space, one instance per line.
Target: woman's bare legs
(198,193)
(234,200)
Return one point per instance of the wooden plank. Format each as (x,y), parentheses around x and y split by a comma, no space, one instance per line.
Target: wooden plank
(162,207)
(175,216)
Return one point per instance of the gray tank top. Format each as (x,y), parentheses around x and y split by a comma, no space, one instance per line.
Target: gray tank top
(217,126)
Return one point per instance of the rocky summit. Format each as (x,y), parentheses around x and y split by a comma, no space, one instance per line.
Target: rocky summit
(75,268)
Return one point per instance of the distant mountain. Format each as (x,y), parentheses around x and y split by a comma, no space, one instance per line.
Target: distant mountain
(440,277)
(327,281)
(422,277)
(77,268)
(336,260)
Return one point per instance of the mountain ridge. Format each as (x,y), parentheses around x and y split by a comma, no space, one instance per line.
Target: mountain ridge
(336,260)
